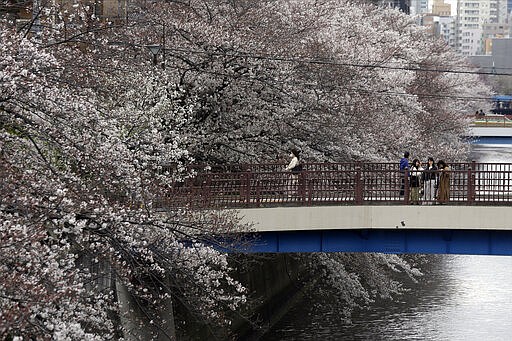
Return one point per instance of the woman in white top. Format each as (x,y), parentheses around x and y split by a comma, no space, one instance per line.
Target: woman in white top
(415,174)
(294,167)
(294,162)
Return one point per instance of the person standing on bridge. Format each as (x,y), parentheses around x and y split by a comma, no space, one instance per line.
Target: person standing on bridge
(404,165)
(294,164)
(415,181)
(430,181)
(443,194)
(295,167)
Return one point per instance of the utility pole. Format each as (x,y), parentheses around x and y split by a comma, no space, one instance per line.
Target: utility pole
(163,46)
(36,21)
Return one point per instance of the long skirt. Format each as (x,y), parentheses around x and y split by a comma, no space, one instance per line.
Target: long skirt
(443,194)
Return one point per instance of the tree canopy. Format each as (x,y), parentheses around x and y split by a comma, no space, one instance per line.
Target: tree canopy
(92,133)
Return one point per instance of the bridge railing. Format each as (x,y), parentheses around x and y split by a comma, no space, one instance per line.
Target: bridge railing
(342,183)
(493,121)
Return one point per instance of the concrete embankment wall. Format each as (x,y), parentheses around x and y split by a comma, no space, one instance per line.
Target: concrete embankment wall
(274,282)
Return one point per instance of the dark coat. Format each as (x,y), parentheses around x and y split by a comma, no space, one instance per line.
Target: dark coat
(430,173)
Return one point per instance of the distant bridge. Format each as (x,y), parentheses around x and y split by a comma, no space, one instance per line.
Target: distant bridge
(495,126)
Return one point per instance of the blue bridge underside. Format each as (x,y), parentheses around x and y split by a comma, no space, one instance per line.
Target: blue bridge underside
(474,242)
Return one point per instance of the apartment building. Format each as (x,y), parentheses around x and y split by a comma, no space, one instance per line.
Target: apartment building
(447,30)
(498,60)
(477,21)
(440,22)
(493,31)
(420,7)
(442,9)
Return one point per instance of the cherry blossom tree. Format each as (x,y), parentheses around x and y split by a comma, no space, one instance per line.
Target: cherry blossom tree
(91,135)
(282,73)
(349,280)
(342,81)
(81,185)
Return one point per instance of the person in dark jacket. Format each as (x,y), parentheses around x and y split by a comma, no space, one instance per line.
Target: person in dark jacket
(429,182)
(415,174)
(404,165)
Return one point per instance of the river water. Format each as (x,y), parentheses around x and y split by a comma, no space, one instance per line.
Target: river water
(460,297)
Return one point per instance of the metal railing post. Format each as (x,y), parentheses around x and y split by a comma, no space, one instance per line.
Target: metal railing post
(358,195)
(247,188)
(302,187)
(207,191)
(310,191)
(258,192)
(407,189)
(471,185)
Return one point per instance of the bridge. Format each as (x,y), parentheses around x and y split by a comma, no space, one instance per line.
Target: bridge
(357,207)
(497,127)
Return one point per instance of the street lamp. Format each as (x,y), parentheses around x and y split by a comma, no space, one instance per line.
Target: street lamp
(154,49)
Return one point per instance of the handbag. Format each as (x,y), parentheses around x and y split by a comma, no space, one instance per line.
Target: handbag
(297,168)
